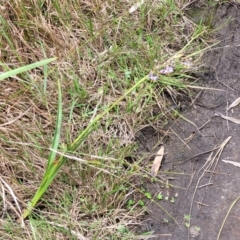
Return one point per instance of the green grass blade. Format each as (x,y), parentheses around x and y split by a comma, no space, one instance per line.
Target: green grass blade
(52,167)
(47,180)
(25,68)
(57,133)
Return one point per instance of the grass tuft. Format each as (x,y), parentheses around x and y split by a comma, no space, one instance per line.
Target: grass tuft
(73,118)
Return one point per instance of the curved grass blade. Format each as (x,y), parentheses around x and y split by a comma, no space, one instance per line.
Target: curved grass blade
(227,215)
(25,68)
(53,166)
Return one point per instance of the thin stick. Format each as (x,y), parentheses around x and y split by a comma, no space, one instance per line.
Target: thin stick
(194,100)
(205,124)
(227,115)
(229,210)
(205,185)
(204,204)
(197,155)
(223,83)
(185,144)
(190,181)
(216,156)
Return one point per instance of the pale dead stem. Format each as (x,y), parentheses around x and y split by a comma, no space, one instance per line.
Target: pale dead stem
(211,164)
(73,232)
(17,210)
(234,120)
(231,119)
(14,120)
(234,104)
(225,219)
(190,182)
(197,155)
(185,144)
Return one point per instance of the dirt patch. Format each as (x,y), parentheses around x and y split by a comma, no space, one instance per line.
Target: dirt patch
(191,144)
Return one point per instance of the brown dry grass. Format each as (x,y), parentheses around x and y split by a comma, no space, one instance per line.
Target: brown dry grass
(102,50)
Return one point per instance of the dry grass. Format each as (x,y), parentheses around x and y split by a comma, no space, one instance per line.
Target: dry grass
(102,51)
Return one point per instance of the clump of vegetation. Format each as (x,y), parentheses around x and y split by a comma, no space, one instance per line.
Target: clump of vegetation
(116,72)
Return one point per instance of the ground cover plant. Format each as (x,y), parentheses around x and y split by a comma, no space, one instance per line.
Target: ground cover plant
(119,67)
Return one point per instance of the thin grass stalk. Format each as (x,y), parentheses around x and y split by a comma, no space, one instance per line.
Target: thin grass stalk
(52,167)
(227,215)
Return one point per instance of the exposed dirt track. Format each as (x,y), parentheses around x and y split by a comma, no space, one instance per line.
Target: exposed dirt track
(221,183)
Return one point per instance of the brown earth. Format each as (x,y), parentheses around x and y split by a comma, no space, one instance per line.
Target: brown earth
(220,185)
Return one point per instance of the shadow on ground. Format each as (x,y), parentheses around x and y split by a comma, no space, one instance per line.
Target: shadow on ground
(211,187)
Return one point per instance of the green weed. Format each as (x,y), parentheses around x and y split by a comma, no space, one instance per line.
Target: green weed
(88,105)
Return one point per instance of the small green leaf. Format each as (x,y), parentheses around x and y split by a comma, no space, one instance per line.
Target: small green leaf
(159,196)
(165,220)
(198,229)
(187,225)
(127,73)
(187,220)
(122,228)
(141,203)
(130,202)
(148,195)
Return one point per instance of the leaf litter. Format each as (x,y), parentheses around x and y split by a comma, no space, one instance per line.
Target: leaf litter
(234,104)
(136,6)
(236,164)
(157,161)
(234,120)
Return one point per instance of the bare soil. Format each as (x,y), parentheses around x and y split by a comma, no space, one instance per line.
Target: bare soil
(219,186)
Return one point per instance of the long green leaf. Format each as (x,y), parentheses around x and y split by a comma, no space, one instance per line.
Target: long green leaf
(52,167)
(57,133)
(25,68)
(47,180)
